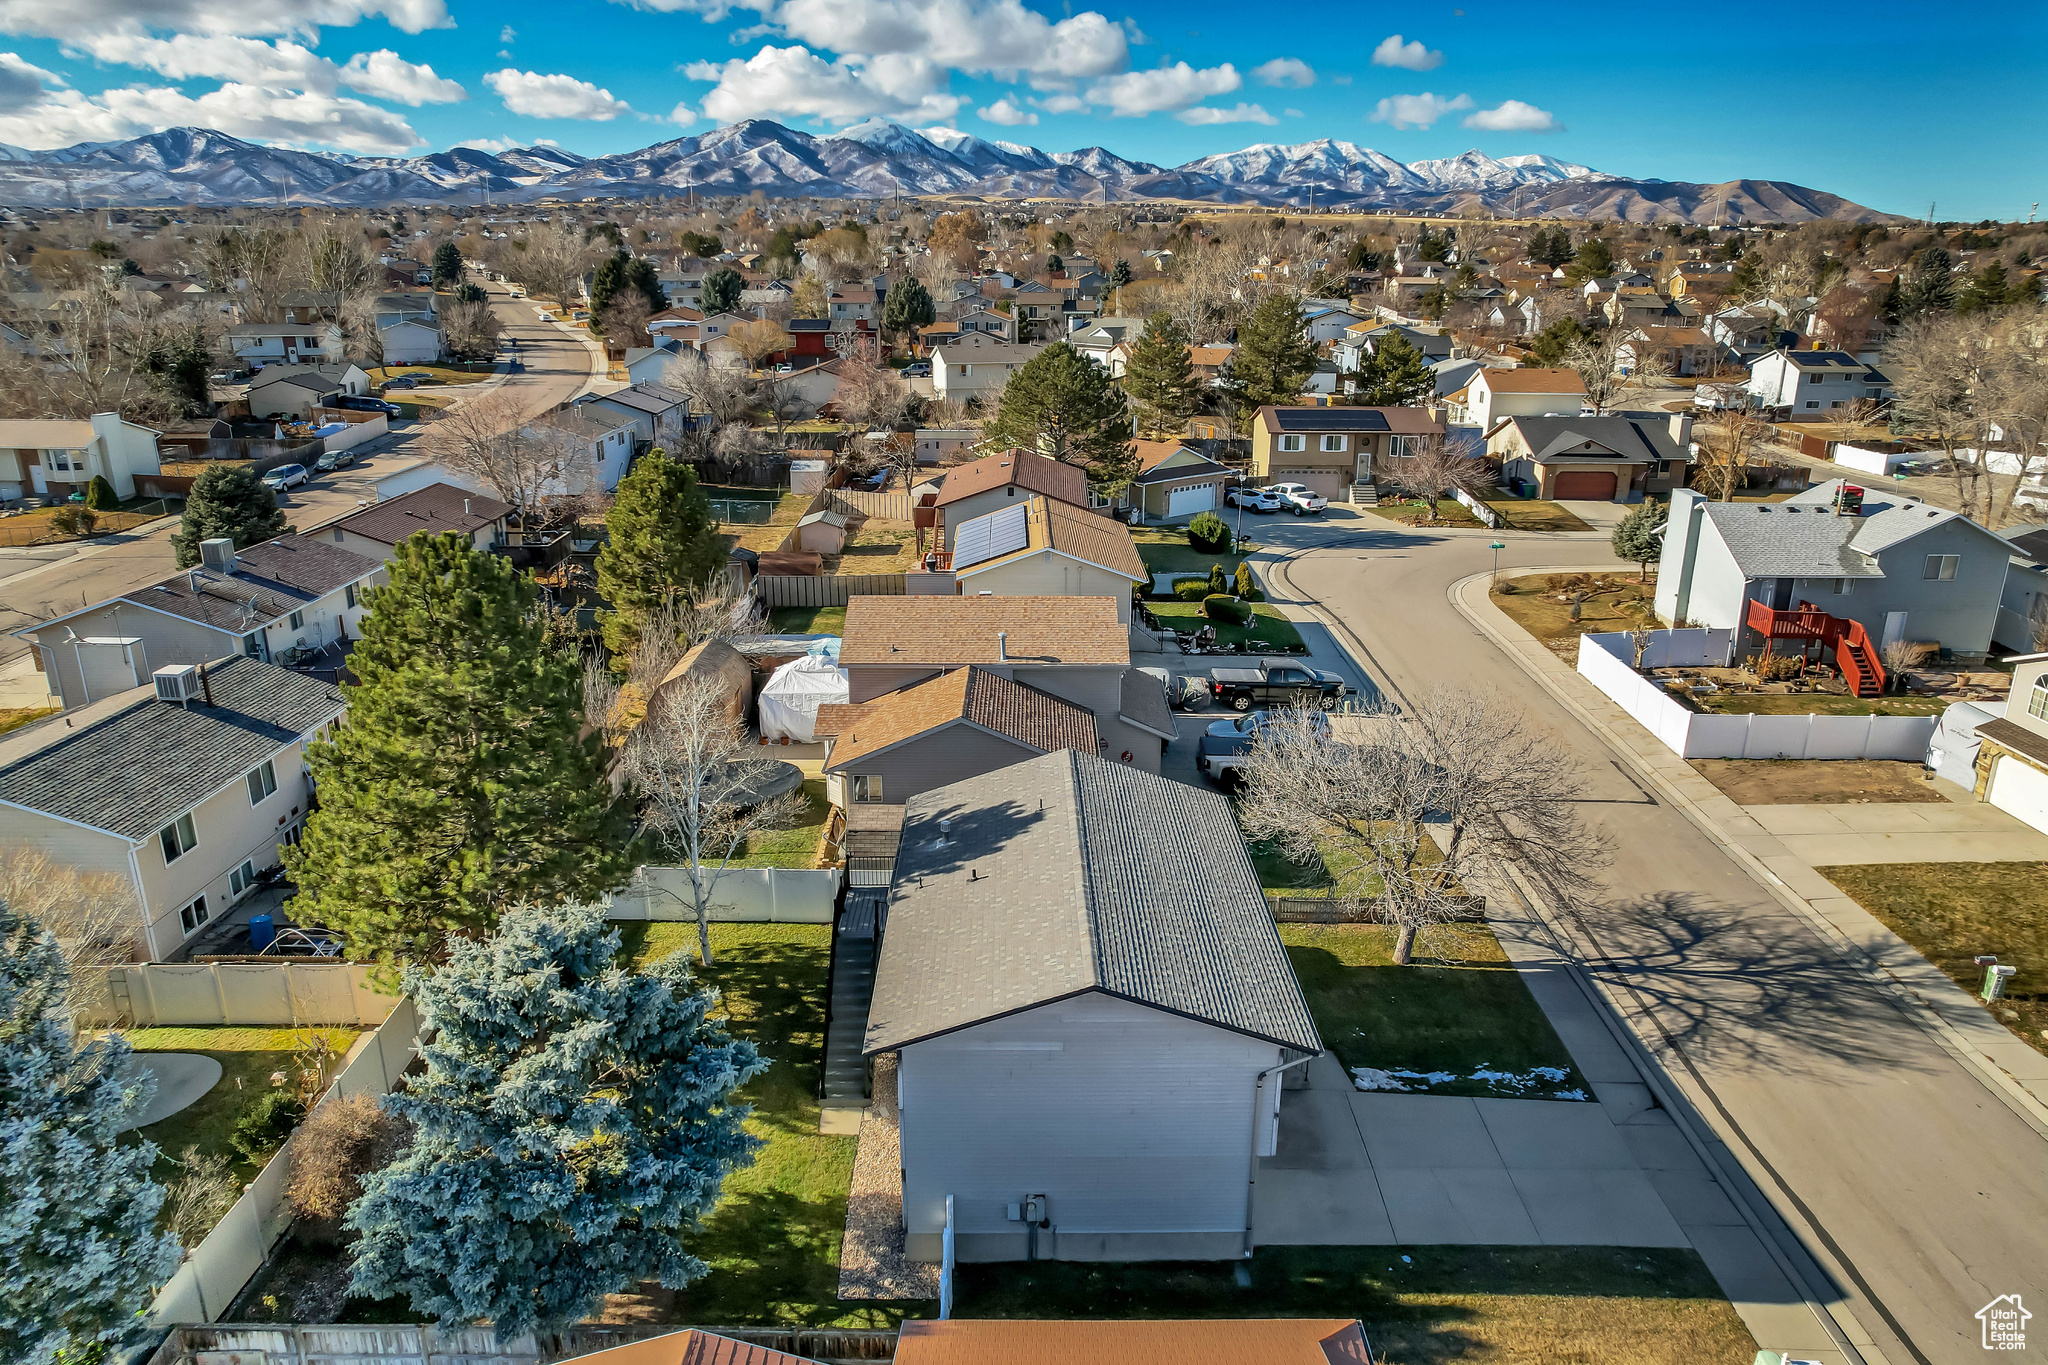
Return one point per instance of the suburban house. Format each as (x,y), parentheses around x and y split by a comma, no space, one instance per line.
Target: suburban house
(184,787)
(984,321)
(657,413)
(597,445)
(1042,547)
(981,486)
(1108,342)
(294,599)
(1683,351)
(1901,569)
(286,343)
(1175,482)
(855,304)
(1525,392)
(1364,338)
(977,373)
(1091,1011)
(1331,449)
(410,341)
(957,726)
(1077,648)
(1077,1341)
(294,391)
(1813,384)
(648,364)
(54,458)
(1329,325)
(1593,459)
(375,532)
(934,444)
(2012,762)
(1208,361)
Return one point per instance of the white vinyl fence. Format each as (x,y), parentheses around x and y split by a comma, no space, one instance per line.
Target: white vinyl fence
(1604,661)
(773,895)
(280,994)
(218,1269)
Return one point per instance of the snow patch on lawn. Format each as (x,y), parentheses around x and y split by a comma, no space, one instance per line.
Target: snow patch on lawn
(1538,1082)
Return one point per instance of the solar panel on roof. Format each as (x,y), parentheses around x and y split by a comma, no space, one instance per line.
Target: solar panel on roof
(998,533)
(1334,419)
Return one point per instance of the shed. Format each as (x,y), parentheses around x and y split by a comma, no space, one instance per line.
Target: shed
(722,666)
(790,564)
(795,691)
(821,532)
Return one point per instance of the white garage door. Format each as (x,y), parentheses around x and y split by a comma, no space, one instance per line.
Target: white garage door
(1185,502)
(2020,790)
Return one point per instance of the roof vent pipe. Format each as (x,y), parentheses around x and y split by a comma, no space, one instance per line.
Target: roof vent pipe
(1003,646)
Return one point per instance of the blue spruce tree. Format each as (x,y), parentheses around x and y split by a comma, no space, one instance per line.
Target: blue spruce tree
(573,1126)
(80,1255)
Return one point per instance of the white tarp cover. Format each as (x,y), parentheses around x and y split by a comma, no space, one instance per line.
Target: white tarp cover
(1952,748)
(790,701)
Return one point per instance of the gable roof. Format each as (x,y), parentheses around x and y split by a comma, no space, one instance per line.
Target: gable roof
(1784,540)
(948,632)
(130,764)
(1639,440)
(1155,1341)
(1064,529)
(1068,874)
(317,377)
(1887,518)
(1401,421)
(1053,478)
(437,507)
(692,1346)
(1527,379)
(648,397)
(1014,710)
(271,579)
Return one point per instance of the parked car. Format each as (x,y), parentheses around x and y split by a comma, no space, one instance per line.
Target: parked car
(1247,726)
(1258,499)
(1277,682)
(918,369)
(402,382)
(285,476)
(363,403)
(1220,756)
(1298,498)
(332,460)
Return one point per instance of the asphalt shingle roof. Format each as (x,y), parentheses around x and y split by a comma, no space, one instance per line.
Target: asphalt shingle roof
(136,770)
(271,579)
(1628,438)
(946,632)
(1066,529)
(1053,478)
(1011,709)
(436,508)
(1069,874)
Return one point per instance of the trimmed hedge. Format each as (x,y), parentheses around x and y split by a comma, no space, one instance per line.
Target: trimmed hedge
(1191,589)
(1225,608)
(1209,533)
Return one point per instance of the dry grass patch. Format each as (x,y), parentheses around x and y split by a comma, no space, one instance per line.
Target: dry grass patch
(1796,782)
(1542,605)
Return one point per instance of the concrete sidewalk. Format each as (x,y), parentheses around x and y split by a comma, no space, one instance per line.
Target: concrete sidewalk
(1873,832)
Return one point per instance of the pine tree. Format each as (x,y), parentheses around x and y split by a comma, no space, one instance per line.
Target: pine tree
(1274,355)
(1395,375)
(447,265)
(1635,537)
(574,1124)
(909,307)
(1594,258)
(1053,264)
(1120,274)
(226,500)
(619,274)
(1161,374)
(1986,292)
(1930,285)
(663,541)
(721,291)
(80,1256)
(100,495)
(461,783)
(1062,404)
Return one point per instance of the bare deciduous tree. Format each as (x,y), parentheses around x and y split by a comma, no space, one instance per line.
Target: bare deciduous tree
(1729,444)
(1468,768)
(488,439)
(1596,358)
(1435,467)
(93,915)
(553,261)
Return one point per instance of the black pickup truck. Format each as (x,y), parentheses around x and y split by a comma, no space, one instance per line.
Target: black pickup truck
(1276,682)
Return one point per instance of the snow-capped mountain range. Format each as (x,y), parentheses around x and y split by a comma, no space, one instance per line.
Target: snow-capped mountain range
(875,159)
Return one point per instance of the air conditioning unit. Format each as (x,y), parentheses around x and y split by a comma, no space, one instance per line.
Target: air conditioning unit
(218,554)
(177,683)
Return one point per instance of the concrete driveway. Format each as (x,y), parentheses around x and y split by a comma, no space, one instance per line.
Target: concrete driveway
(1951,832)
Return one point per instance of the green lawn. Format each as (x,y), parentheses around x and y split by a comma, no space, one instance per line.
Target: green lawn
(1466,1011)
(794,847)
(247,1057)
(1334,867)
(1420,1305)
(1165,549)
(807,621)
(1951,912)
(773,1244)
(1268,628)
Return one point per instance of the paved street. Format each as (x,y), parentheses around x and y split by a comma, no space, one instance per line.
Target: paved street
(1922,1192)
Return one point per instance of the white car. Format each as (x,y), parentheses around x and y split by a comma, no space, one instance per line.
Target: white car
(1258,499)
(1298,498)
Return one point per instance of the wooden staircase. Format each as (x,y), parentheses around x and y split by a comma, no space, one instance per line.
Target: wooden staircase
(1864,678)
(1364,495)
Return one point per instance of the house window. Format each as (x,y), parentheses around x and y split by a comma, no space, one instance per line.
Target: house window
(1941,568)
(193,915)
(867,788)
(1812,404)
(241,879)
(1294,442)
(1814,378)
(2037,701)
(348,595)
(337,535)
(262,782)
(1333,443)
(298,620)
(178,838)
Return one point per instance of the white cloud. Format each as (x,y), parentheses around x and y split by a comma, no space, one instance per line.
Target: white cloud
(1006,112)
(1417,111)
(1288,72)
(1202,114)
(682,114)
(1133,34)
(977,36)
(507,34)
(1513,116)
(1294,113)
(282,65)
(385,75)
(493,145)
(64,117)
(1407,56)
(557,96)
(1138,93)
(711,10)
(794,81)
(1062,104)
(83,19)
(21,82)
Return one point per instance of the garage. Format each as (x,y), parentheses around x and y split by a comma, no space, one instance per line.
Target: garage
(2020,790)
(1185,502)
(1583,485)
(1329,482)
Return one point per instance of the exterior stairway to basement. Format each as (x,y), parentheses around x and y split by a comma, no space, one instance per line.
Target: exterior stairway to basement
(1364,495)
(853,987)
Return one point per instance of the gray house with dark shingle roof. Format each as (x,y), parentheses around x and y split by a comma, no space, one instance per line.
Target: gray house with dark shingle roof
(1090,1007)
(185,803)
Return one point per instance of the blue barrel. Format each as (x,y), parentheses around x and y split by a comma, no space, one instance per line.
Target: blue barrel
(261,932)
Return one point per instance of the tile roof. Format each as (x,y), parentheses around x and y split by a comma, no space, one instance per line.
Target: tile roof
(437,507)
(1071,873)
(141,763)
(1151,1341)
(1531,380)
(271,579)
(917,631)
(1065,529)
(1053,478)
(976,696)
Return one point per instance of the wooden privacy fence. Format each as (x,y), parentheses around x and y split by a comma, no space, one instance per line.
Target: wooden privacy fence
(827,590)
(265,1343)
(886,505)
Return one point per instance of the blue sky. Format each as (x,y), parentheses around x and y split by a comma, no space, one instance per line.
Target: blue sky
(1887,103)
